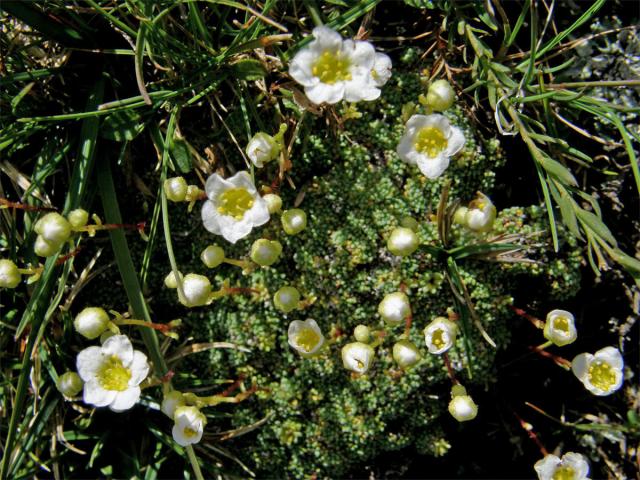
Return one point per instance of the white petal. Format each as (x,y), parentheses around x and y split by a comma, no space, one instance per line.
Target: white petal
(580,365)
(435,120)
(139,368)
(357,91)
(243,180)
(323,92)
(211,217)
(120,346)
(382,69)
(360,54)
(612,356)
(259,212)
(125,400)
(89,362)
(546,467)
(301,67)
(94,394)
(433,167)
(417,122)
(326,38)
(455,142)
(216,185)
(238,230)
(578,463)
(406,149)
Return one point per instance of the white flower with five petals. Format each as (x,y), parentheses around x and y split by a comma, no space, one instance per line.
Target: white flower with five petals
(112,373)
(429,141)
(601,373)
(234,206)
(331,69)
(572,466)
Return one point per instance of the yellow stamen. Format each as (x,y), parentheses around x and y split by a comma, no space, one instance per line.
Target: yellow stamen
(307,339)
(561,323)
(189,432)
(602,375)
(430,141)
(437,338)
(235,202)
(564,473)
(113,375)
(331,67)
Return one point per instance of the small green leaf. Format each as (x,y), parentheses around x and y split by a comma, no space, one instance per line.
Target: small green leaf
(557,170)
(122,126)
(596,225)
(181,155)
(565,203)
(248,69)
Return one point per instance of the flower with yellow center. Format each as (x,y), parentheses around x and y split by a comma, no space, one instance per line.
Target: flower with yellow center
(112,373)
(358,357)
(440,335)
(560,328)
(429,141)
(601,373)
(572,466)
(234,206)
(331,69)
(189,425)
(305,337)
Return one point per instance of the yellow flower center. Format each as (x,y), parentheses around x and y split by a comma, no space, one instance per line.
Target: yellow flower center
(602,375)
(564,473)
(331,67)
(561,323)
(189,432)
(235,202)
(307,339)
(437,338)
(430,141)
(113,375)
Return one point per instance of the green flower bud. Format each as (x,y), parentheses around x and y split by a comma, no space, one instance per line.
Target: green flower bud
(171,401)
(197,290)
(403,241)
(54,228)
(462,407)
(395,308)
(406,354)
(193,193)
(286,299)
(175,189)
(265,252)
(170,280)
(294,221)
(440,95)
(69,384)
(91,322)
(362,333)
(212,256)
(42,248)
(460,217)
(9,274)
(409,222)
(273,201)
(78,218)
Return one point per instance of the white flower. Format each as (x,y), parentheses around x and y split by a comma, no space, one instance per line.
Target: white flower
(262,148)
(330,68)
(462,407)
(572,466)
(405,353)
(602,372)
(381,71)
(91,322)
(234,206)
(428,142)
(305,337)
(170,402)
(189,425)
(481,214)
(560,328)
(112,373)
(357,357)
(440,335)
(394,308)
(9,274)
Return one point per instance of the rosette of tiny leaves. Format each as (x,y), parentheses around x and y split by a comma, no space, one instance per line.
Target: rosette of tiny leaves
(91,322)
(189,425)
(234,206)
(112,373)
(403,241)
(358,357)
(293,221)
(9,274)
(175,189)
(601,373)
(560,328)
(429,142)
(572,466)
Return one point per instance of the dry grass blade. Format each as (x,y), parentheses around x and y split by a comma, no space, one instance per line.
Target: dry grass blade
(203,347)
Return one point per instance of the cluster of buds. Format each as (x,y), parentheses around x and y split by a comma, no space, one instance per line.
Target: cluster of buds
(53,230)
(478,216)
(176,190)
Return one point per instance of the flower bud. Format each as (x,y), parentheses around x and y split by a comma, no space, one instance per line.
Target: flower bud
(193,193)
(440,335)
(197,290)
(69,384)
(362,333)
(78,218)
(54,228)
(403,241)
(440,95)
(175,189)
(91,322)
(212,256)
(460,217)
(42,248)
(560,328)
(406,354)
(294,221)
(171,401)
(395,308)
(305,337)
(9,274)
(262,148)
(481,214)
(462,406)
(357,357)
(265,252)
(273,201)
(170,280)
(410,223)
(286,299)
